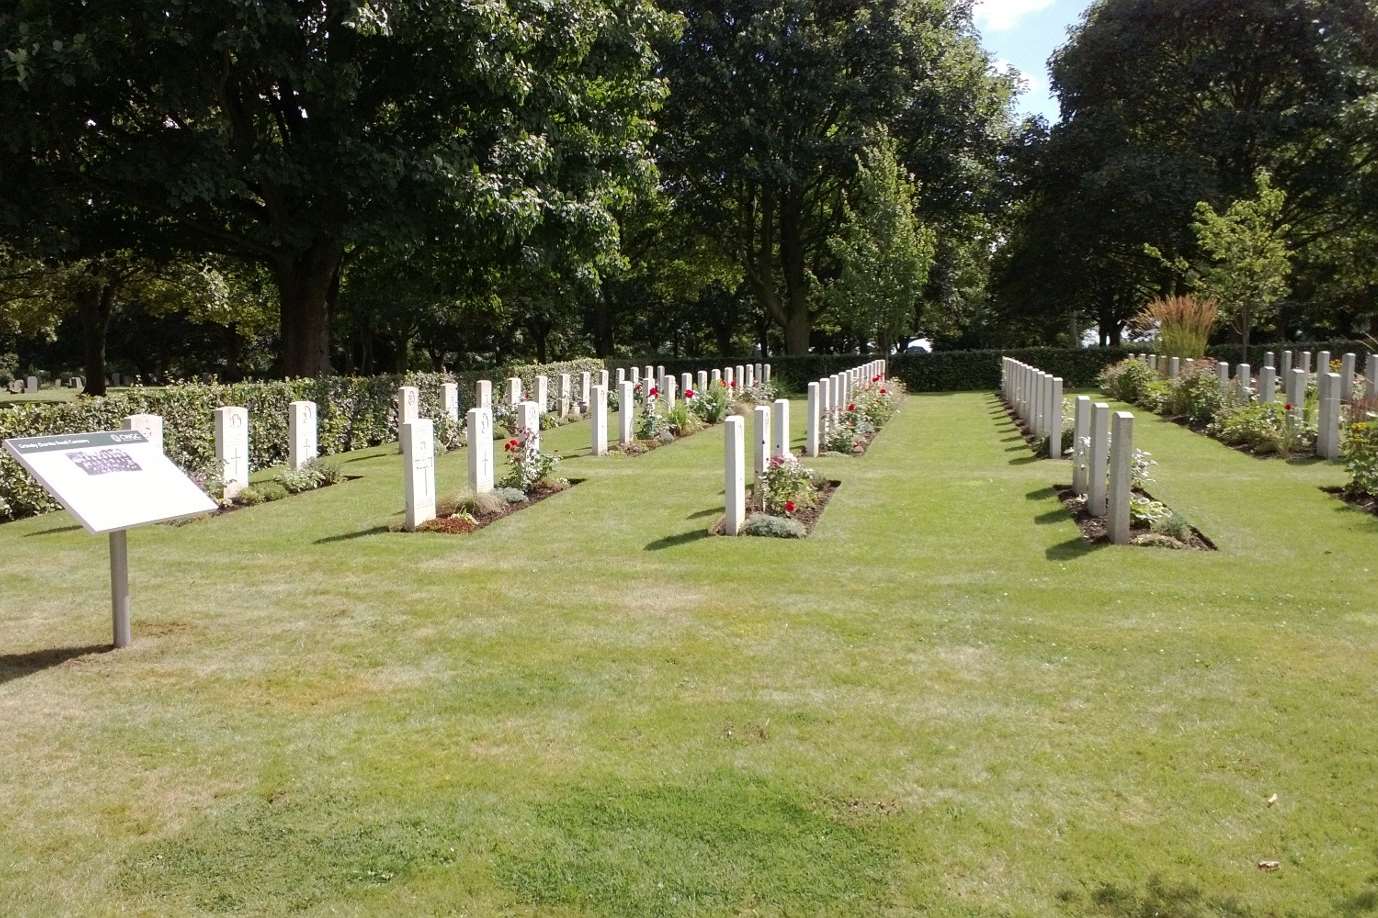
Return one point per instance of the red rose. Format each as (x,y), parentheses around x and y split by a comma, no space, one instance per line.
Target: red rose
(688,393)
(654,392)
(875,378)
(882,390)
(1288,406)
(851,407)
(734,384)
(789,506)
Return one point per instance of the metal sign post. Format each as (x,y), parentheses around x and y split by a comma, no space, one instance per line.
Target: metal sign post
(119,586)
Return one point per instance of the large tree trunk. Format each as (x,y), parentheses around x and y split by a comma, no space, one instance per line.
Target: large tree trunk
(305,285)
(602,326)
(797,324)
(94,306)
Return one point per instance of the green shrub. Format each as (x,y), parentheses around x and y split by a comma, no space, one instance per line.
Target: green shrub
(511,495)
(354,412)
(786,486)
(1360,453)
(248,497)
(299,480)
(1127,380)
(485,504)
(1260,426)
(271,491)
(712,404)
(1198,396)
(776,527)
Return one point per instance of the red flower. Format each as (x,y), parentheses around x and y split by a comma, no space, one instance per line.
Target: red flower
(688,393)
(883,390)
(852,407)
(875,378)
(511,445)
(1288,406)
(734,384)
(789,506)
(654,391)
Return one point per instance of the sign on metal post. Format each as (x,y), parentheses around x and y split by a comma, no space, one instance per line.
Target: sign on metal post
(111,481)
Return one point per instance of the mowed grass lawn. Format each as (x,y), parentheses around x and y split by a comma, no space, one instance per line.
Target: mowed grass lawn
(942,702)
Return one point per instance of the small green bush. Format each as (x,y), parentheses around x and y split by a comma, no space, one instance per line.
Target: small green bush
(511,495)
(1127,380)
(776,527)
(271,491)
(248,497)
(1360,454)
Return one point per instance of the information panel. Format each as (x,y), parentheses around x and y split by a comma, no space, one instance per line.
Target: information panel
(110,480)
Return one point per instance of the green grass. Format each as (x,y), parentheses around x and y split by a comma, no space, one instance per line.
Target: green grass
(941,702)
(48,395)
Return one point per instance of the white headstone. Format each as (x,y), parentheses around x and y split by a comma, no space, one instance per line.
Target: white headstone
(765,373)
(514,390)
(542,396)
(727,376)
(1304,363)
(734,474)
(301,432)
(31,384)
(636,375)
(626,412)
(1096,467)
(750,375)
(1285,372)
(418,471)
(811,419)
(760,439)
(565,395)
(1222,373)
(599,410)
(480,422)
(1055,418)
(449,398)
(669,393)
(1348,366)
(1323,362)
(232,447)
(621,377)
(483,394)
(1328,415)
(1121,482)
(1371,374)
(686,384)
(1081,431)
(1244,378)
(585,388)
(408,405)
(780,424)
(702,380)
(601,379)
(1296,390)
(1174,367)
(528,418)
(1267,384)
(150,425)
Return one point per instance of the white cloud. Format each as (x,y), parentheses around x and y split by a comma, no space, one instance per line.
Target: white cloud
(999,15)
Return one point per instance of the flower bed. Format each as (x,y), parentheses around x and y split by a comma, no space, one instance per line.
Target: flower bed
(1151,523)
(469,513)
(861,420)
(315,475)
(657,426)
(786,501)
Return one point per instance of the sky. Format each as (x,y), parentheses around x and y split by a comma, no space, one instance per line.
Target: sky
(1022,34)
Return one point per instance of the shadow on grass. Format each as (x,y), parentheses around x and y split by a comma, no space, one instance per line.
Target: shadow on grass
(53,531)
(1024,460)
(702,513)
(1052,516)
(1073,548)
(18,665)
(683,538)
(1041,493)
(347,536)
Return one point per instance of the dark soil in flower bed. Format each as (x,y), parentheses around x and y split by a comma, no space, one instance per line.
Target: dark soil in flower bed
(1363,502)
(460,525)
(808,517)
(1096,530)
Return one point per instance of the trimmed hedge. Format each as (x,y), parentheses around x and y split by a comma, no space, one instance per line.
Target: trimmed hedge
(1232,352)
(353,412)
(955,371)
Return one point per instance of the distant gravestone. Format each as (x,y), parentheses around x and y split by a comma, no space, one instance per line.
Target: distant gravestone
(542,393)
(529,420)
(760,439)
(1267,384)
(811,425)
(728,376)
(825,406)
(1304,363)
(232,447)
(301,431)
(1244,379)
(449,397)
(480,422)
(626,412)
(1285,371)
(765,373)
(1328,416)
(1174,367)
(715,376)
(418,465)
(734,475)
(483,394)
(514,390)
(565,395)
(1323,362)
(620,377)
(601,379)
(408,405)
(780,424)
(1222,373)
(1055,418)
(599,410)
(1371,375)
(1296,390)
(749,376)
(636,375)
(669,393)
(686,384)
(1348,366)
(585,385)
(150,425)
(702,380)
(31,384)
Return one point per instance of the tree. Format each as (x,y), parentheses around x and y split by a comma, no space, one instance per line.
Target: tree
(771,100)
(293,134)
(883,250)
(1248,258)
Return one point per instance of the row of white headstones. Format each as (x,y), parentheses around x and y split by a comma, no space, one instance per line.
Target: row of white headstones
(1102,444)
(827,400)
(418,434)
(1332,389)
(31,384)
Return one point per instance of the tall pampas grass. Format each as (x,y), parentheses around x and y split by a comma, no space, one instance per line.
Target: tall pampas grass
(1181,324)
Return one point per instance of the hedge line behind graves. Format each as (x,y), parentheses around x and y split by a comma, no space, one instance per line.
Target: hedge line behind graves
(353,412)
(955,371)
